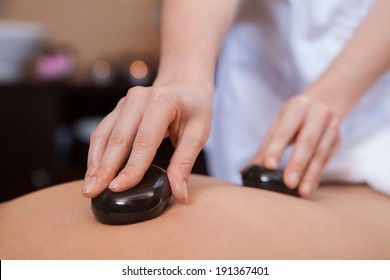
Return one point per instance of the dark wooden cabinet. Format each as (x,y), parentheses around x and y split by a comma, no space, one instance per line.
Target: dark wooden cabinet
(37,143)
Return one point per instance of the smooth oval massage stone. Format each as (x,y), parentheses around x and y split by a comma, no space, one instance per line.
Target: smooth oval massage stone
(258,176)
(143,202)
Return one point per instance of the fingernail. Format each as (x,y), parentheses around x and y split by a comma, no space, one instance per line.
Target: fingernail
(116,182)
(182,188)
(89,185)
(306,188)
(294,178)
(271,162)
(185,191)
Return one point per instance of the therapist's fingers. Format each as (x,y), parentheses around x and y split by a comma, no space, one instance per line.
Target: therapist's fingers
(138,130)
(98,143)
(328,145)
(187,149)
(315,124)
(312,128)
(281,132)
(157,117)
(119,141)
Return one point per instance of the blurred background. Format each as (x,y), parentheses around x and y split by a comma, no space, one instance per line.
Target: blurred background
(91,30)
(64,65)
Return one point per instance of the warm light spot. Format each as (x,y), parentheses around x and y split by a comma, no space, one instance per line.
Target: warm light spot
(138,69)
(101,69)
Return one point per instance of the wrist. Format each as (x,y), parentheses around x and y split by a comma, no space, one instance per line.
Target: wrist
(191,71)
(337,93)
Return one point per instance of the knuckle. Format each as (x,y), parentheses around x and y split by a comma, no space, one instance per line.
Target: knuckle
(90,171)
(130,166)
(96,136)
(143,141)
(309,143)
(118,139)
(185,164)
(302,101)
(133,169)
(105,173)
(134,95)
(91,166)
(134,90)
(324,112)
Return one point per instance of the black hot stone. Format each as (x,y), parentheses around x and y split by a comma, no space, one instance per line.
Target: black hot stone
(257,176)
(143,202)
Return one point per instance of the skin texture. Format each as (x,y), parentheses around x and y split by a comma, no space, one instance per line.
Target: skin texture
(178,105)
(220,221)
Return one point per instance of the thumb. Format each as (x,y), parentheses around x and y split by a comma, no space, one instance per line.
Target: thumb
(180,166)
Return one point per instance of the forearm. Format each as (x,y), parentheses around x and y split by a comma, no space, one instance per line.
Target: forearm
(191,35)
(365,58)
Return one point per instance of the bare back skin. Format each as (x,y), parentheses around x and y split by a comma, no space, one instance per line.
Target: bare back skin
(220,221)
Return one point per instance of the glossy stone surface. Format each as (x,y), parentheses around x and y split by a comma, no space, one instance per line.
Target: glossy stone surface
(143,202)
(257,176)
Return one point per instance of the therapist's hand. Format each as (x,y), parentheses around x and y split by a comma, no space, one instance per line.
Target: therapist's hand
(310,121)
(135,129)
(312,127)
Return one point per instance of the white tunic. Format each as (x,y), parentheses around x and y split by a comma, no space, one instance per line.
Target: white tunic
(273,51)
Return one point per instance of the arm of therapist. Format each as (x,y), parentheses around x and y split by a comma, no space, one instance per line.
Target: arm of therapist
(178,105)
(311,119)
